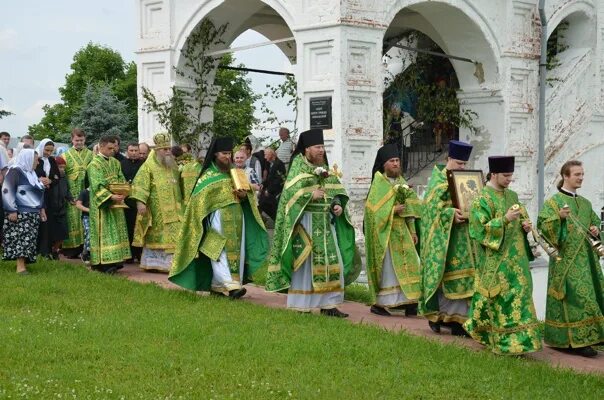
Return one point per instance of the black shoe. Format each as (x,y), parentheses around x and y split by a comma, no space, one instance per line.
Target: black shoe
(435,326)
(586,351)
(458,330)
(237,293)
(410,310)
(111,270)
(378,311)
(333,312)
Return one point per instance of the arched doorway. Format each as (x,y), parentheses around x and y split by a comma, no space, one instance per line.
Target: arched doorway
(468,70)
(421,108)
(232,19)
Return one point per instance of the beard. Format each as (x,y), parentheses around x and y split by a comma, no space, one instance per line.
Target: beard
(167,161)
(393,173)
(317,160)
(223,165)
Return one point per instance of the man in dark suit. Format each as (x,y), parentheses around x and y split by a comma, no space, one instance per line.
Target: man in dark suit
(273,185)
(130,166)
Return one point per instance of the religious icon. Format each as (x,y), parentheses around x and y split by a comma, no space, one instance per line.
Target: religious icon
(240,180)
(464,185)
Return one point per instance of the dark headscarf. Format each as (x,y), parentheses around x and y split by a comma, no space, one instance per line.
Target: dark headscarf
(384,154)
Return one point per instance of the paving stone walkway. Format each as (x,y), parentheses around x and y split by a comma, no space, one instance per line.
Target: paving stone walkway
(359,313)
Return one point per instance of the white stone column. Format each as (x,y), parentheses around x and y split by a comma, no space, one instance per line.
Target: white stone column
(344,62)
(153,59)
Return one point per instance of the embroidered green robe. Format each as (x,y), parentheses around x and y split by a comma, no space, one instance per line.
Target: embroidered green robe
(188,177)
(159,188)
(502,314)
(385,230)
(575,295)
(449,257)
(76,163)
(197,245)
(108,233)
(292,245)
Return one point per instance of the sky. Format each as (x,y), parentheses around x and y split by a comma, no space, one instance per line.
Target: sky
(38,39)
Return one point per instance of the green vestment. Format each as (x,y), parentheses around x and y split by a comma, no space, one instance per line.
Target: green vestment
(449,256)
(159,188)
(76,163)
(108,233)
(198,243)
(189,174)
(292,245)
(575,295)
(502,314)
(387,231)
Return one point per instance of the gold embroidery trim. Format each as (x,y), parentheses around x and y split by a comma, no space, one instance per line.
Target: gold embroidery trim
(299,194)
(464,273)
(578,324)
(383,200)
(299,229)
(297,179)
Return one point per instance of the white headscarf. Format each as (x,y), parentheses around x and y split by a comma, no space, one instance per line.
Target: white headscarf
(25,162)
(40,151)
(16,152)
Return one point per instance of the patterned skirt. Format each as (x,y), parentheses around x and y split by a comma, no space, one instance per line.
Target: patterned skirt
(21,237)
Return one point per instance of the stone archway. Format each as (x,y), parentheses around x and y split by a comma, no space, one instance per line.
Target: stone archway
(460,31)
(237,17)
(166,27)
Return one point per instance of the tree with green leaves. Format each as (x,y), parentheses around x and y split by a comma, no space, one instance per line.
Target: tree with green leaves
(97,65)
(4,113)
(234,106)
(228,92)
(102,113)
(288,91)
(420,85)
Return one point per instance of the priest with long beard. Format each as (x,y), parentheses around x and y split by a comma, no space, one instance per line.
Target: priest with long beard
(314,254)
(156,189)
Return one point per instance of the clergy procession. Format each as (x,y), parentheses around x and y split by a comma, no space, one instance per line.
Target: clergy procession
(458,257)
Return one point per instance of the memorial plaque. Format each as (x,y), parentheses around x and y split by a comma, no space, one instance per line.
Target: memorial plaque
(320,113)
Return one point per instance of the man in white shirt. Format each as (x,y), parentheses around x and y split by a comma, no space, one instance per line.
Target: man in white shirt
(284,152)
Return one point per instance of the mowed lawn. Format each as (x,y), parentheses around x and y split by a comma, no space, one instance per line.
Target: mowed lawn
(69,333)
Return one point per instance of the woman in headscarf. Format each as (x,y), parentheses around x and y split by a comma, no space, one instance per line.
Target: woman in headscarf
(23,200)
(48,174)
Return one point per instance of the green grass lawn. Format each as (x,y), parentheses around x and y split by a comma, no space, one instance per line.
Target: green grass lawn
(69,333)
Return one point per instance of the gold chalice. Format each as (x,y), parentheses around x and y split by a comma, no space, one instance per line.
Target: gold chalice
(120,188)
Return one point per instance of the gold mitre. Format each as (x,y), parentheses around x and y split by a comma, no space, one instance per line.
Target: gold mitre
(162,141)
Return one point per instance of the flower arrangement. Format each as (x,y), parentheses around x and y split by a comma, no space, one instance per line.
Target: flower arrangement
(322,173)
(401,192)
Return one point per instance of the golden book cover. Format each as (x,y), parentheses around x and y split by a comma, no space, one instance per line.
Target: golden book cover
(240,180)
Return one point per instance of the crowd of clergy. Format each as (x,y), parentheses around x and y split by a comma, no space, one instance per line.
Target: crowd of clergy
(202,220)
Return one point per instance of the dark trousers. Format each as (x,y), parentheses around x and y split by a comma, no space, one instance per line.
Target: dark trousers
(268,204)
(130,214)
